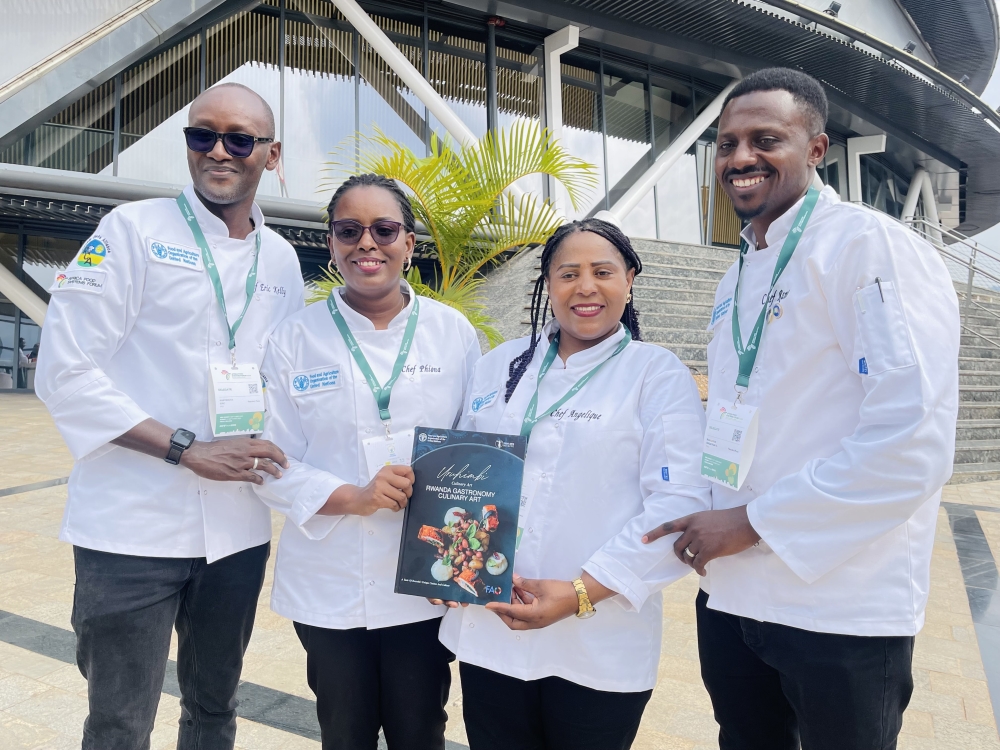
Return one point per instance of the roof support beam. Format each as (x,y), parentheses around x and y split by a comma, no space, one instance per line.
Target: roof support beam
(677,148)
(556,44)
(18,292)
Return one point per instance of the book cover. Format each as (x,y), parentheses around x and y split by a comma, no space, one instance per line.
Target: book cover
(460,526)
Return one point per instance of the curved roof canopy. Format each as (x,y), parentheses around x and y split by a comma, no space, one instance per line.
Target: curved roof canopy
(963,35)
(931,116)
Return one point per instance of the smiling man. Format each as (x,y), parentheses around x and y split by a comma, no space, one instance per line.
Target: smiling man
(148,366)
(833,395)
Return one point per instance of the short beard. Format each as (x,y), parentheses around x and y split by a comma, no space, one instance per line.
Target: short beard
(224,198)
(751,214)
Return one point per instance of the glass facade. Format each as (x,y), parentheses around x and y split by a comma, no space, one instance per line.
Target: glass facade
(326,84)
(35,259)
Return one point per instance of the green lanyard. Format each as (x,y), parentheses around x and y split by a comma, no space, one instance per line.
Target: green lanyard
(213,272)
(382,393)
(530,420)
(748,355)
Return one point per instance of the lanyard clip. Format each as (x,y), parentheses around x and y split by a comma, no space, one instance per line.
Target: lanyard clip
(387,423)
(232,353)
(740,390)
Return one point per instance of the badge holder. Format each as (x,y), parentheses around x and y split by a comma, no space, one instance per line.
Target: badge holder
(730,442)
(236,400)
(391,450)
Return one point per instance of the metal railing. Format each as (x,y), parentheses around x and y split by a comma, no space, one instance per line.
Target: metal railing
(974,268)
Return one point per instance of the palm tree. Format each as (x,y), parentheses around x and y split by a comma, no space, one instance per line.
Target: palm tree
(462,197)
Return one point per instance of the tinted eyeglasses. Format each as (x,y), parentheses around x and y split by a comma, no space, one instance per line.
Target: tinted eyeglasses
(350,231)
(239,145)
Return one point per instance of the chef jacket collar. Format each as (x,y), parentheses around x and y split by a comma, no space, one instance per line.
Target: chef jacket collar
(358,322)
(588,357)
(212,225)
(782,225)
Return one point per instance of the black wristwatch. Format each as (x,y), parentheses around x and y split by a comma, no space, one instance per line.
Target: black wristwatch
(180,441)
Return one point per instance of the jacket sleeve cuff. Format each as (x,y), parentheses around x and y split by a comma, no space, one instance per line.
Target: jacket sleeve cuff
(755,514)
(611,573)
(305,509)
(90,412)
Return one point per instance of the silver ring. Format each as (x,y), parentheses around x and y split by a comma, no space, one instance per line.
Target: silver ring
(255,461)
(689,553)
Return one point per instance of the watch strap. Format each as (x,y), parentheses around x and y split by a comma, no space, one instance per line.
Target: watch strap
(174,454)
(584,606)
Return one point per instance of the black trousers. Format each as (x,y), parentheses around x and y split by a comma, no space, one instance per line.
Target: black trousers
(773,686)
(504,713)
(124,608)
(395,678)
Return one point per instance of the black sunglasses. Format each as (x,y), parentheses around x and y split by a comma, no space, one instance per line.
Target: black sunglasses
(239,145)
(350,231)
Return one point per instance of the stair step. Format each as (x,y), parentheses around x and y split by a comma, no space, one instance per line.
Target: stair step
(672,269)
(979,393)
(977,451)
(964,473)
(978,429)
(977,377)
(978,364)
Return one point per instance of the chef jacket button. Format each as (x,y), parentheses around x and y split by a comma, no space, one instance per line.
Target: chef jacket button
(371,533)
(517,637)
(260,346)
(371,583)
(204,492)
(368,430)
(531,377)
(756,369)
(544,474)
(531,530)
(472,624)
(723,370)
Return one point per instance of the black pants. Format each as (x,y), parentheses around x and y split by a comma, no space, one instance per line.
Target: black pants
(124,609)
(773,686)
(504,713)
(395,678)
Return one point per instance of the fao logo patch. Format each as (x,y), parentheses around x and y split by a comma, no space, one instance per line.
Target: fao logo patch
(159,250)
(300,383)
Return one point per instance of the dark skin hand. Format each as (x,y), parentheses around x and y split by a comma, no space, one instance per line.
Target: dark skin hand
(228,460)
(391,489)
(708,534)
(538,604)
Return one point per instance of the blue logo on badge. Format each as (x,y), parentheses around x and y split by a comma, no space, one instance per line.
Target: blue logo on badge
(300,383)
(720,310)
(159,250)
(665,473)
(481,402)
(863,366)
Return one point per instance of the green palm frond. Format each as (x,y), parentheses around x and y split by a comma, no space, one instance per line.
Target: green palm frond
(462,199)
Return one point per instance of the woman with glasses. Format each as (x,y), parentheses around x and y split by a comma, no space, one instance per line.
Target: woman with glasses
(347,381)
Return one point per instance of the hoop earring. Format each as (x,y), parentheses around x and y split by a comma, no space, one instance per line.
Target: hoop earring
(409,264)
(331,269)
(628,300)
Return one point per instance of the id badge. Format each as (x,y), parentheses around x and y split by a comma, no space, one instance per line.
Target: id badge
(395,450)
(236,400)
(730,442)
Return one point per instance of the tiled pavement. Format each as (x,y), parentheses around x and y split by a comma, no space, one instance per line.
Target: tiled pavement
(43,696)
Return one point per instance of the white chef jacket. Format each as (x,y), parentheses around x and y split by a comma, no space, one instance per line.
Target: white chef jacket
(617,459)
(131,336)
(339,572)
(858,400)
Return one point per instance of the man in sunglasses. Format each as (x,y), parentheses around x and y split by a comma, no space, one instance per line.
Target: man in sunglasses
(149,368)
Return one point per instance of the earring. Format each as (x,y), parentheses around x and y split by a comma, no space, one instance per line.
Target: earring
(628,299)
(331,269)
(409,264)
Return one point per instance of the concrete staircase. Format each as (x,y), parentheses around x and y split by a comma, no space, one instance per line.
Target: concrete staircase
(675,293)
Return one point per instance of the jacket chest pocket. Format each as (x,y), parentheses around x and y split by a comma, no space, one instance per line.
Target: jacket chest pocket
(885,337)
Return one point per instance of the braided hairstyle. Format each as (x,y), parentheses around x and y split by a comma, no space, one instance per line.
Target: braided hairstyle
(374,180)
(540,300)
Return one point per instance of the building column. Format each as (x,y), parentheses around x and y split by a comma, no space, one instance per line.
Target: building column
(869,144)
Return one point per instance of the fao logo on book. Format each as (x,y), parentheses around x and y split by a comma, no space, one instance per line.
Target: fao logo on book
(422,437)
(300,383)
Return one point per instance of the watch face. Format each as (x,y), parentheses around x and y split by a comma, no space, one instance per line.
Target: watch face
(182,438)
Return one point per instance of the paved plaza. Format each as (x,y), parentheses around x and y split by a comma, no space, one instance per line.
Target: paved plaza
(43,696)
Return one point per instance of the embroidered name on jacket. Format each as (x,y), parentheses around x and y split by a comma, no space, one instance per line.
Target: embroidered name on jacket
(320,379)
(174,255)
(571,415)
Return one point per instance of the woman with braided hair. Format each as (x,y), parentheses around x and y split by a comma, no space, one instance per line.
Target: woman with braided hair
(614,428)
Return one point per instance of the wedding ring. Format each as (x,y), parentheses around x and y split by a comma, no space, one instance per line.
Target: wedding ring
(255,461)
(688,552)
